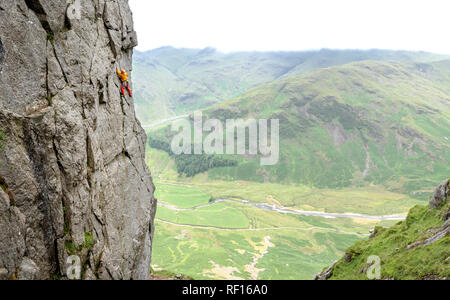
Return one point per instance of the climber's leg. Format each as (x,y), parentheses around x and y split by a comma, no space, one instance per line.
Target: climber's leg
(123,91)
(127,85)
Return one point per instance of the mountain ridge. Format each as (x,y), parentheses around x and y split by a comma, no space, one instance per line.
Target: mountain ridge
(177,81)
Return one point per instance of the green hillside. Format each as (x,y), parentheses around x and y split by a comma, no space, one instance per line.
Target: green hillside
(416,249)
(354,125)
(169,81)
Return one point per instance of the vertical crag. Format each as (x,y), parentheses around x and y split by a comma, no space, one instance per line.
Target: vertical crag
(72,190)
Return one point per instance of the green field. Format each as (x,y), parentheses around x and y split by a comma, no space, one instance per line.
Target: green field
(237,241)
(219,254)
(220,216)
(181,197)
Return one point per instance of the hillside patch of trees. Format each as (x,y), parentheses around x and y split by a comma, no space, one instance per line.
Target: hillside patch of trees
(190,165)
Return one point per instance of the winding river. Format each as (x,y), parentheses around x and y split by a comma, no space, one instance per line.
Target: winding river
(285,210)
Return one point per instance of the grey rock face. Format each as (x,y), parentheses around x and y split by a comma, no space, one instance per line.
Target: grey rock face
(72,154)
(440,195)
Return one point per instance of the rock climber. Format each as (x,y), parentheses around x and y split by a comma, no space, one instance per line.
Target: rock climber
(123,75)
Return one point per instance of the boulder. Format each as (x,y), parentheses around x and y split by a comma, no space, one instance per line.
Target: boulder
(440,195)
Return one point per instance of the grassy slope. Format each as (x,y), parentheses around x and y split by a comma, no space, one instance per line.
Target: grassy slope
(397,261)
(366,122)
(169,81)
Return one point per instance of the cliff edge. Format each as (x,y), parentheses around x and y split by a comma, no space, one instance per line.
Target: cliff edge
(73,176)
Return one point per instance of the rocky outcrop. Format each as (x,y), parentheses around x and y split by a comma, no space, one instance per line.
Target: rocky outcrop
(440,195)
(72,168)
(325,275)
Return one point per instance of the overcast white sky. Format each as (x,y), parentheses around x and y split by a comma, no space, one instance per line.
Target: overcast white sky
(234,25)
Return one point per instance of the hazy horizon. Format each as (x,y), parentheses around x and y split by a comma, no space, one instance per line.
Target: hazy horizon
(299,50)
(286,25)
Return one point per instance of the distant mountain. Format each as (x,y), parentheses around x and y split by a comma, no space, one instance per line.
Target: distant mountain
(365,122)
(353,125)
(170,81)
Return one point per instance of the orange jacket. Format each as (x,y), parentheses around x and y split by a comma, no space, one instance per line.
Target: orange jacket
(123,75)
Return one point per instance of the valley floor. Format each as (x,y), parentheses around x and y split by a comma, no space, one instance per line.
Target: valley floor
(206,239)
(212,229)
